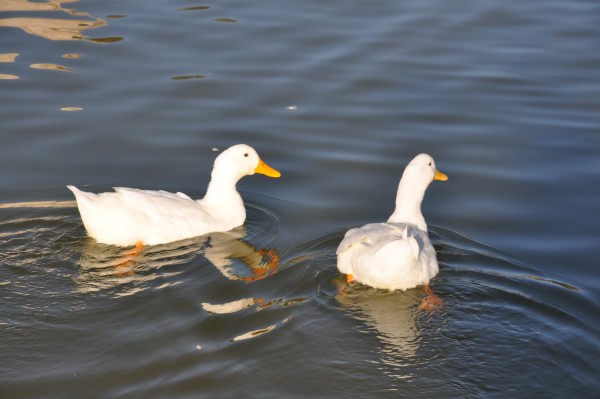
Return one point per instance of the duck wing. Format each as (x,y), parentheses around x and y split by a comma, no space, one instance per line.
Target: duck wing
(387,255)
(129,215)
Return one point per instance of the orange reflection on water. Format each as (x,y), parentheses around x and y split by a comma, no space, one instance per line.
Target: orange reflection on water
(49,28)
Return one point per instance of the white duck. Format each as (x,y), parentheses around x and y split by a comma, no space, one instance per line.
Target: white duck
(141,217)
(396,254)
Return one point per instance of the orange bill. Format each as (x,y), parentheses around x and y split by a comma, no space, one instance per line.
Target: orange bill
(440,176)
(265,169)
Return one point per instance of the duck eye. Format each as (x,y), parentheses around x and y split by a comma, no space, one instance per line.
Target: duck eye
(246,155)
(429,163)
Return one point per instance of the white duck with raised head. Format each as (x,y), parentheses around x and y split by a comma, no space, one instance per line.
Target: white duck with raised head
(396,254)
(131,216)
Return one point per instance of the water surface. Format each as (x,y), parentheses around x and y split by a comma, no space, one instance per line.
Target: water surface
(339,98)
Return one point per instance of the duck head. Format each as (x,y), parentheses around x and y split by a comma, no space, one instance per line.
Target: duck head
(241,160)
(422,170)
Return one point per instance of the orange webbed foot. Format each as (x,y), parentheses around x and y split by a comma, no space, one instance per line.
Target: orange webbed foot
(349,278)
(267,266)
(270,257)
(125,267)
(342,282)
(431,303)
(136,250)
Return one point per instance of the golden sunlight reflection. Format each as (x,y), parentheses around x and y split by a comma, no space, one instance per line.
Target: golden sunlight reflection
(106,266)
(6,76)
(254,333)
(49,28)
(52,29)
(228,307)
(52,67)
(24,5)
(8,58)
(39,204)
(260,331)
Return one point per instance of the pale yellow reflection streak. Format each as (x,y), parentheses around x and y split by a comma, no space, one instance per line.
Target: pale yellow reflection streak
(255,333)
(49,28)
(53,29)
(24,5)
(9,57)
(40,204)
(52,67)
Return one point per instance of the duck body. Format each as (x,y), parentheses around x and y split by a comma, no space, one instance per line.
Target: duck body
(388,256)
(397,254)
(130,216)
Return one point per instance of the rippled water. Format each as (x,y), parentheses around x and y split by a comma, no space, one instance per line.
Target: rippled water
(338,97)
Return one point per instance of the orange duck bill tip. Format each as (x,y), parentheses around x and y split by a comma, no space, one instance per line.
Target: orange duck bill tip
(440,176)
(266,170)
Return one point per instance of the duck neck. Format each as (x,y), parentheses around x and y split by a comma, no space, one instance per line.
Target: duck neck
(408,204)
(222,190)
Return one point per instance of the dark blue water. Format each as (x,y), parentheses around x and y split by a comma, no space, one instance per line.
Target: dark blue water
(339,98)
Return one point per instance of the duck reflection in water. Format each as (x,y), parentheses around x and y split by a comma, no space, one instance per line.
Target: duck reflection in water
(105,266)
(391,315)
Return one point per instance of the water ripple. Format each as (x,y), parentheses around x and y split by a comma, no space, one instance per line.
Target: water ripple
(198,304)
